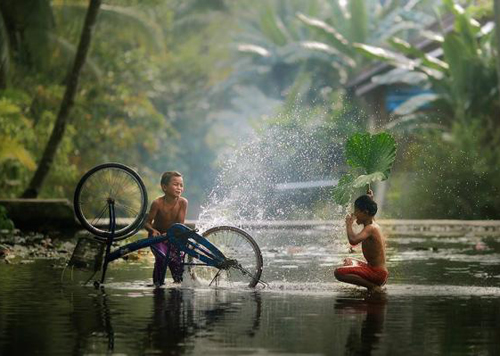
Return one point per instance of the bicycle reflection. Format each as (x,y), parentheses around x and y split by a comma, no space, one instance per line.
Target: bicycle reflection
(363,342)
(91,319)
(178,317)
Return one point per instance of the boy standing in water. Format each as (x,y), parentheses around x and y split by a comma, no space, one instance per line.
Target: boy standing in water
(373,273)
(165,211)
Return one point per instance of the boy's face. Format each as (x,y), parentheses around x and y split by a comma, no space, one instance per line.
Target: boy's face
(174,188)
(361,216)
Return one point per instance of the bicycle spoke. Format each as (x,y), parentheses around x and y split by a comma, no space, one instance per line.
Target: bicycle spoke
(128,208)
(123,186)
(240,249)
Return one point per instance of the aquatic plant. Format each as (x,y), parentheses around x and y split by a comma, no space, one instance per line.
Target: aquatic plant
(5,222)
(370,158)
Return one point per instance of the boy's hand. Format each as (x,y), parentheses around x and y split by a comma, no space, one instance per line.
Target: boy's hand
(155,232)
(349,219)
(369,192)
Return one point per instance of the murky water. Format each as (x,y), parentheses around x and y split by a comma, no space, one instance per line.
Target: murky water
(443,298)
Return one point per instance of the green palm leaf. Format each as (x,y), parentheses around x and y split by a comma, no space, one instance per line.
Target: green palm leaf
(343,191)
(373,155)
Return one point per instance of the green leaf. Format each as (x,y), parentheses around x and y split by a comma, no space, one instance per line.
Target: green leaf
(343,191)
(374,155)
(335,35)
(359,20)
(367,179)
(371,153)
(5,222)
(400,75)
(334,54)
(426,60)
(385,55)
(416,102)
(11,149)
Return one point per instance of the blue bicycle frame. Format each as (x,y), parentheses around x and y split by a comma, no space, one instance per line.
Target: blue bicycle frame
(181,236)
(185,239)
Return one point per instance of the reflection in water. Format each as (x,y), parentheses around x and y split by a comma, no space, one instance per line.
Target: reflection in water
(91,318)
(444,302)
(102,303)
(374,308)
(178,316)
(172,321)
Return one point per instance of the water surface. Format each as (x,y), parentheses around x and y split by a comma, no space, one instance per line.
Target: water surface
(442,299)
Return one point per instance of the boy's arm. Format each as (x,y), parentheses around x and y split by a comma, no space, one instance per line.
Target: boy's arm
(183,211)
(149,219)
(354,238)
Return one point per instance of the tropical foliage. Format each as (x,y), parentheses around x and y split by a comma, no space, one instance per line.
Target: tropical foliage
(449,167)
(452,178)
(460,72)
(168,84)
(141,101)
(370,158)
(5,222)
(284,39)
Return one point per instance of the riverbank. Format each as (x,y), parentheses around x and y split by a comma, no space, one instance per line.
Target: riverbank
(19,247)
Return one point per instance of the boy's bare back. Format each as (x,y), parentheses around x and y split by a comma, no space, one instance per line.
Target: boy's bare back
(374,246)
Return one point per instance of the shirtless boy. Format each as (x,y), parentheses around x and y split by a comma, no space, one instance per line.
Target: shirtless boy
(165,211)
(373,273)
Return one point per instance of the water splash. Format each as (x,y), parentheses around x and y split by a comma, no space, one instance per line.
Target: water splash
(250,186)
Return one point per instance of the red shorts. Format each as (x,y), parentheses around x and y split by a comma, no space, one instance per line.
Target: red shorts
(376,275)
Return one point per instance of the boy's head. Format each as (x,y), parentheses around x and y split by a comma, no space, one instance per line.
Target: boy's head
(172,183)
(167,176)
(366,204)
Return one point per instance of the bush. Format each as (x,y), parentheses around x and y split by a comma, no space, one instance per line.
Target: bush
(5,222)
(455,176)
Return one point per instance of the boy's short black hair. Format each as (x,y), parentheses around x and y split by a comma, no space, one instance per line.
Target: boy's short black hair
(166,176)
(367,204)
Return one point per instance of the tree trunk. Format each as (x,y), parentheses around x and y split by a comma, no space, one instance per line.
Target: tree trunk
(496,11)
(4,53)
(66,105)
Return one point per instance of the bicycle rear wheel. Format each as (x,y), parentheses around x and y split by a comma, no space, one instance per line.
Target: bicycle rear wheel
(116,183)
(237,245)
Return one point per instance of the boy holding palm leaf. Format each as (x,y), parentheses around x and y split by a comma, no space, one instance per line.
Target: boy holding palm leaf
(370,158)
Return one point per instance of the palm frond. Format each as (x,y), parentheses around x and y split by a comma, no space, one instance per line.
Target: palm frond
(334,54)
(12,149)
(337,38)
(126,18)
(69,51)
(416,102)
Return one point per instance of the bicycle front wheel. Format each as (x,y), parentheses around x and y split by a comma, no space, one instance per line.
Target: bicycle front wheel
(237,245)
(111,183)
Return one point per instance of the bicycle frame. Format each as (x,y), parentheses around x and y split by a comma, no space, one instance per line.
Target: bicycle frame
(181,236)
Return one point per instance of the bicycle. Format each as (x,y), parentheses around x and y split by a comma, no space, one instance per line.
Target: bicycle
(110,202)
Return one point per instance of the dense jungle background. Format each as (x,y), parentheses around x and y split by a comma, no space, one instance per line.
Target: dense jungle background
(178,85)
